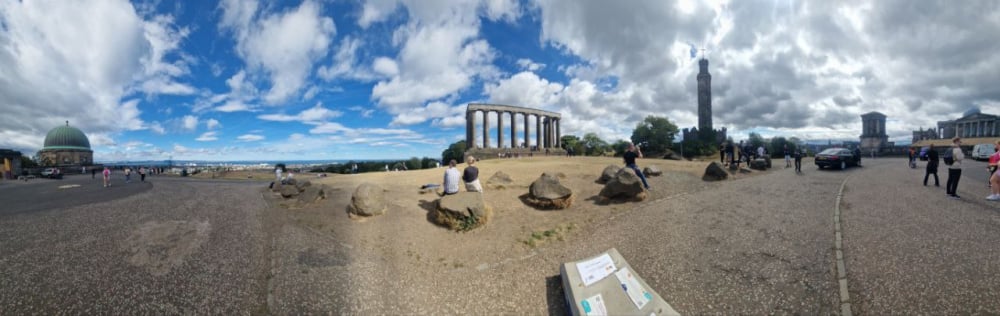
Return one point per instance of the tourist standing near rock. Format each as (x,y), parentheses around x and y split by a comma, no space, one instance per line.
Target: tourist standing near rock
(142,174)
(994,175)
(722,152)
(729,151)
(798,160)
(788,157)
(128,175)
(631,154)
(451,177)
(277,174)
(955,168)
(932,166)
(107,177)
(471,176)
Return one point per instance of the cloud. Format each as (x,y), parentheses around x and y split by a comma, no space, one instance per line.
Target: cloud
(529,65)
(283,45)
(189,122)
(78,61)
(250,137)
(314,116)
(212,124)
(207,137)
(346,64)
(364,112)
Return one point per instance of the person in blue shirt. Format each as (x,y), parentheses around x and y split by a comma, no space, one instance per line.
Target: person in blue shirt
(631,154)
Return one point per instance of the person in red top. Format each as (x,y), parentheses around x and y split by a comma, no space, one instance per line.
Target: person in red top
(107,177)
(994,177)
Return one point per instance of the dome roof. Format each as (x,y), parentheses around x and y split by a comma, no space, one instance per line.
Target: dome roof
(66,137)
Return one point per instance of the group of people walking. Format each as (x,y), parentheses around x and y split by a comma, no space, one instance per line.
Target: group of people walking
(127,171)
(953,157)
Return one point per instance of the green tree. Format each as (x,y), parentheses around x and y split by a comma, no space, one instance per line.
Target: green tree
(455,151)
(26,162)
(414,164)
(756,140)
(778,146)
(620,146)
(594,145)
(571,142)
(655,134)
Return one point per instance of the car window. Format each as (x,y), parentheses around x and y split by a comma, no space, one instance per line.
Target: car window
(830,151)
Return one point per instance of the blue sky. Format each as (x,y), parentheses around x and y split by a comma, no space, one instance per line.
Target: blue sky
(355,79)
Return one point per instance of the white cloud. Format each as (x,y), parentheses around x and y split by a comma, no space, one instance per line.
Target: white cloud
(212,123)
(157,128)
(346,63)
(363,111)
(77,61)
(189,122)
(329,128)
(385,66)
(207,137)
(282,45)
(250,137)
(314,115)
(529,65)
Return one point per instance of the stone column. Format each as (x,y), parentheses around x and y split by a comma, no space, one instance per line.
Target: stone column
(548,132)
(470,129)
(538,131)
(558,133)
(499,129)
(527,140)
(486,129)
(513,130)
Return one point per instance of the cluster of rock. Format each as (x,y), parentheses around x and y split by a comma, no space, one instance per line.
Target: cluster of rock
(623,185)
(296,194)
(716,171)
(547,193)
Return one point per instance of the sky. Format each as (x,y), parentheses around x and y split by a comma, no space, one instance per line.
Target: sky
(386,79)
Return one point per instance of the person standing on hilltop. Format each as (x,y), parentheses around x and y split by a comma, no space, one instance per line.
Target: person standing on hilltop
(994,179)
(798,160)
(722,152)
(107,177)
(932,166)
(631,154)
(955,156)
(471,176)
(451,178)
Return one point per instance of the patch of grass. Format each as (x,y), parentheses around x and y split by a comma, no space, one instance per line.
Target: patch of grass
(558,233)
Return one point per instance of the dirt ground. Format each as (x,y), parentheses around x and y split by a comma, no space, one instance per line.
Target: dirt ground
(515,229)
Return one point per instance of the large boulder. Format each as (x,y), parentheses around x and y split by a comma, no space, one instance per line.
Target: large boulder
(625,185)
(715,172)
(671,155)
(291,181)
(767,161)
(368,200)
(311,194)
(652,170)
(758,164)
(289,191)
(500,179)
(462,211)
(547,192)
(302,185)
(608,173)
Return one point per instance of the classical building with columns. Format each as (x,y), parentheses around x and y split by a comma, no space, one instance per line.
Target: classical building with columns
(873,136)
(546,130)
(972,124)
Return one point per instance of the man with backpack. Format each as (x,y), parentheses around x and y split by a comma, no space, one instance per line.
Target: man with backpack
(953,158)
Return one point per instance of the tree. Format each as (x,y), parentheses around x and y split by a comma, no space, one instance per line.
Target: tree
(572,143)
(778,146)
(413,164)
(620,146)
(455,151)
(654,134)
(26,162)
(756,140)
(594,145)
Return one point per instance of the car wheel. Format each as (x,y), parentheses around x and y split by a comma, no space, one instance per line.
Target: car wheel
(843,165)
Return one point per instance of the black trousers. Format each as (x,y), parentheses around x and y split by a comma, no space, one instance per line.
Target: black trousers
(953,176)
(931,171)
(798,165)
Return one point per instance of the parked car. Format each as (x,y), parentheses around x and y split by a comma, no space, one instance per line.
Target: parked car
(923,153)
(837,157)
(982,151)
(52,173)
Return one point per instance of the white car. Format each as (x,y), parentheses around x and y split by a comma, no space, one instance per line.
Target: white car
(982,151)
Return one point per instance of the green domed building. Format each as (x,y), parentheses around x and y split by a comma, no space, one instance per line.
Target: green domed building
(66,145)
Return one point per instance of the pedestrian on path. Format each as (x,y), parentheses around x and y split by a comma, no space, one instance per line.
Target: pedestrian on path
(107,177)
(93,173)
(798,160)
(128,175)
(994,176)
(788,157)
(142,174)
(932,166)
(955,168)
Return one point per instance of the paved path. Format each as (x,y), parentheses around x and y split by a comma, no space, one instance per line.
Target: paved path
(910,250)
(73,190)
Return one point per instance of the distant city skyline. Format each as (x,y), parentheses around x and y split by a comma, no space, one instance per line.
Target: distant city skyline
(339,80)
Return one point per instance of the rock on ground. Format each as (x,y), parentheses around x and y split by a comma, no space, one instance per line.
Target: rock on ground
(608,173)
(652,170)
(368,200)
(767,160)
(302,185)
(500,179)
(671,155)
(715,172)
(462,211)
(289,191)
(758,164)
(547,192)
(625,185)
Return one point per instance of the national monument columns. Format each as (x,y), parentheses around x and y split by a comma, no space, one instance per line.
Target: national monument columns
(547,127)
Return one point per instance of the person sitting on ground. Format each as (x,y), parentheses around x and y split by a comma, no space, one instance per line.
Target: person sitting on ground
(630,155)
(471,176)
(450,184)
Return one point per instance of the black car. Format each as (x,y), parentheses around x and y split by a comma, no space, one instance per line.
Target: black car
(837,157)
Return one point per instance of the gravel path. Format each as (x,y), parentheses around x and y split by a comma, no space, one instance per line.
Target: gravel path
(179,248)
(910,250)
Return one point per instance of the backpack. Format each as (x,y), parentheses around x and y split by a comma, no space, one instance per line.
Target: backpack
(949,159)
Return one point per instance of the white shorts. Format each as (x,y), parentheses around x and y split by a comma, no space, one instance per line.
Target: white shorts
(473,186)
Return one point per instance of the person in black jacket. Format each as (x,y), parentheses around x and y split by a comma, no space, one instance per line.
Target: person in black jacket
(932,166)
